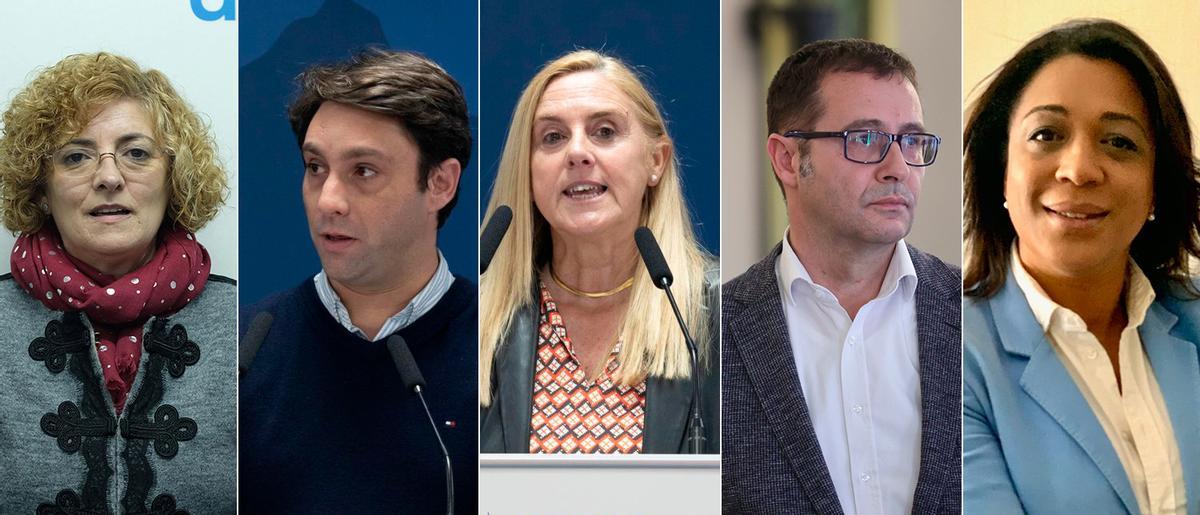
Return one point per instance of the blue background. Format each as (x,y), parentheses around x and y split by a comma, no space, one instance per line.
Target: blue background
(277,40)
(675,47)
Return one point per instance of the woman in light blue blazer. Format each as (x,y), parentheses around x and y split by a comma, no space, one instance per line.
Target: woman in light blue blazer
(1081,361)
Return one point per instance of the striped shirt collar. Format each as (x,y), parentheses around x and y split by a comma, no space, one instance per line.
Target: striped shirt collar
(429,296)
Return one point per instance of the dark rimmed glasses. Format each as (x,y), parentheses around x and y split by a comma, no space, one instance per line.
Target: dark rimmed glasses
(869,146)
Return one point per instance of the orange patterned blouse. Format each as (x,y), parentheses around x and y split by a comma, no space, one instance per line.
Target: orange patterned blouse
(572,414)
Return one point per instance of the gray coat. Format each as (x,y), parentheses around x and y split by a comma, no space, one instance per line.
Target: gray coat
(62,447)
(772,462)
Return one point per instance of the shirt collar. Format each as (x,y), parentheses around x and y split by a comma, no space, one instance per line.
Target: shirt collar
(424,301)
(1139,295)
(794,277)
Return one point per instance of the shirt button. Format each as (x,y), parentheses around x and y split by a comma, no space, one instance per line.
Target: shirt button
(1075,323)
(1091,353)
(858,408)
(865,477)
(851,340)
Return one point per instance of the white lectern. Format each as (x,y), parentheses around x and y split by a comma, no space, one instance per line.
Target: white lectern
(569,483)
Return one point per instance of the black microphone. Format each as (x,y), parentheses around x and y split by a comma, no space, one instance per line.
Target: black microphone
(660,274)
(656,264)
(492,235)
(252,340)
(413,380)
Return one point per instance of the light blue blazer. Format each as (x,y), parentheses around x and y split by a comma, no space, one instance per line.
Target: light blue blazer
(1031,441)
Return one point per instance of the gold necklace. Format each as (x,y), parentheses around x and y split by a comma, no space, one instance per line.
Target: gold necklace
(588,294)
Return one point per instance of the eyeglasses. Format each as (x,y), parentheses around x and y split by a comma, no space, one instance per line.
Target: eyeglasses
(871,146)
(131,158)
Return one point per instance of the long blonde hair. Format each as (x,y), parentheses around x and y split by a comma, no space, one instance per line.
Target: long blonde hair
(653,344)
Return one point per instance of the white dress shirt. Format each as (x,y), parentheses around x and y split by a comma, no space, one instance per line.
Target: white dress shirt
(1133,415)
(861,382)
(425,300)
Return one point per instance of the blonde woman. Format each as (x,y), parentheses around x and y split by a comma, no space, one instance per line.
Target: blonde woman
(580,353)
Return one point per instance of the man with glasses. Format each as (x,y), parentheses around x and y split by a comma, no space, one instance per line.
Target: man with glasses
(841,357)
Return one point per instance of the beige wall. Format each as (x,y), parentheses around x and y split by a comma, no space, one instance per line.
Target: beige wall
(742,144)
(993,30)
(928,33)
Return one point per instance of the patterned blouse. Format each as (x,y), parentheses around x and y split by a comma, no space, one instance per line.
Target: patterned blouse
(572,414)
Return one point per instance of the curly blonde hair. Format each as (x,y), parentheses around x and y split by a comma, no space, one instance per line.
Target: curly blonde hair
(59,103)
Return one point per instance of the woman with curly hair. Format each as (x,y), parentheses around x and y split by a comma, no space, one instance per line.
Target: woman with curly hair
(119,381)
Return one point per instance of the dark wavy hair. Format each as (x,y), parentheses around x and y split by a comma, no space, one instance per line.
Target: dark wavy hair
(426,101)
(1162,247)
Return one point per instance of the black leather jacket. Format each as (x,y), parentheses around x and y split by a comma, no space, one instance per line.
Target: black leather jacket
(504,426)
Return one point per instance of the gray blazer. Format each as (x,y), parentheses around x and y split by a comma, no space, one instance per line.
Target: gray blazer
(771,461)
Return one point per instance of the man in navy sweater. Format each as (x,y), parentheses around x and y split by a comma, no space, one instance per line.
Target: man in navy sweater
(326,425)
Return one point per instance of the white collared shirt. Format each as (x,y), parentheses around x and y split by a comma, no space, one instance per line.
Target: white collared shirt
(1134,416)
(861,382)
(424,301)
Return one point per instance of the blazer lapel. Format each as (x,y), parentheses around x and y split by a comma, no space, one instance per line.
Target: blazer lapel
(667,409)
(939,336)
(1177,369)
(516,363)
(759,333)
(1049,384)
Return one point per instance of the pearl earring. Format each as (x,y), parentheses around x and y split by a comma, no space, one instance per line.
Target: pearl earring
(1005,204)
(1151,217)
(653,179)
(45,207)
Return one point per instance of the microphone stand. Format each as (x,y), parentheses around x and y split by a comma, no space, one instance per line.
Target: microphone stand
(445,455)
(410,374)
(695,438)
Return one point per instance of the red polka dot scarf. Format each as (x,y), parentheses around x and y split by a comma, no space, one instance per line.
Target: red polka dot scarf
(118,307)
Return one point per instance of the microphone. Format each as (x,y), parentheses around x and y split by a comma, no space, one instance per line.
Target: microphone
(252,340)
(660,274)
(413,380)
(492,235)
(656,264)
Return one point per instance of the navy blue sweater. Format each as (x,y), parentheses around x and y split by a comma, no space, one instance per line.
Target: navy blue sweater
(326,426)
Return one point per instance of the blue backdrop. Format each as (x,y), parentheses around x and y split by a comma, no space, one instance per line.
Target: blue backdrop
(277,40)
(675,46)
